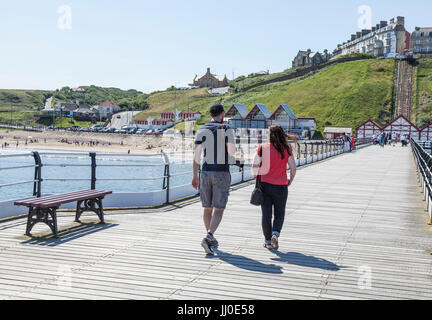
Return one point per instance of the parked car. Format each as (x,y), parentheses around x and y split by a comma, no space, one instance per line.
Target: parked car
(132,130)
(84,129)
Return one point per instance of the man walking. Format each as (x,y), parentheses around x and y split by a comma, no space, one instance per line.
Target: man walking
(215,141)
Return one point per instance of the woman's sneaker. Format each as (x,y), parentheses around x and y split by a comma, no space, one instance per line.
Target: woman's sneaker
(207,246)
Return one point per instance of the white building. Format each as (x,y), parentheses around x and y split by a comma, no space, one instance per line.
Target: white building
(384,40)
(106,109)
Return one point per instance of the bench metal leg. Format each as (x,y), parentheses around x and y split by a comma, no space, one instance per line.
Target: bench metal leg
(45,215)
(94,205)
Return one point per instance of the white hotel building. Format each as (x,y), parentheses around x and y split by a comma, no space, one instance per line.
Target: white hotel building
(384,40)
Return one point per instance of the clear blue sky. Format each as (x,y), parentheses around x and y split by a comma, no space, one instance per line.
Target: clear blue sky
(151,45)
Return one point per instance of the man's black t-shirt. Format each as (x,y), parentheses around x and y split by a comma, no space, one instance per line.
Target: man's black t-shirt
(213,137)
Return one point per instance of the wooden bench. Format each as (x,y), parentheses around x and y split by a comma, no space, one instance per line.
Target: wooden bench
(44,209)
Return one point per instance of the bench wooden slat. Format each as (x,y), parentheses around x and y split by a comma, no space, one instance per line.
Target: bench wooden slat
(55,200)
(36,201)
(87,196)
(45,198)
(60,199)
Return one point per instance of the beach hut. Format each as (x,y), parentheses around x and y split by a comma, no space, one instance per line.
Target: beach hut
(284,117)
(368,129)
(236,116)
(258,117)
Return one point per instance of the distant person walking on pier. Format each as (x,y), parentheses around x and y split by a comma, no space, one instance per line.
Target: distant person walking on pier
(382,139)
(352,143)
(404,140)
(271,160)
(215,141)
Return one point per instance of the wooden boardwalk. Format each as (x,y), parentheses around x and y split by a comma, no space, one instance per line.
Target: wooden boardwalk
(347,217)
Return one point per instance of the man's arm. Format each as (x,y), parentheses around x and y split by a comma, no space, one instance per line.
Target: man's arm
(256,164)
(196,165)
(232,149)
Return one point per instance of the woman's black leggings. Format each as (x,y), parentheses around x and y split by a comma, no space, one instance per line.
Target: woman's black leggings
(274,196)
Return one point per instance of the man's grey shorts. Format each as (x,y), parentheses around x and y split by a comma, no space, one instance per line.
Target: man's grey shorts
(214,189)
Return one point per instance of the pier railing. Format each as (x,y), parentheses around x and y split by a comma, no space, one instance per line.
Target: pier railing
(424,168)
(307,152)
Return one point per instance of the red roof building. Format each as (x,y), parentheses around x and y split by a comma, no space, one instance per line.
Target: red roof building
(426,133)
(402,126)
(368,129)
(186,115)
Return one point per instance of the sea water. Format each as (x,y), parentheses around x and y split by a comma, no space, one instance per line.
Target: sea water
(108,167)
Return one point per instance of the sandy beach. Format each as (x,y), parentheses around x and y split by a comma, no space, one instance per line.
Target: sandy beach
(90,142)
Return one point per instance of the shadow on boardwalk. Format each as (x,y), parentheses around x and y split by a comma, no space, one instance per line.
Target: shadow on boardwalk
(300,259)
(245,263)
(68,234)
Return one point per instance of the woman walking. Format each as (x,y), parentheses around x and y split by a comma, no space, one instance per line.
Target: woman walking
(271,164)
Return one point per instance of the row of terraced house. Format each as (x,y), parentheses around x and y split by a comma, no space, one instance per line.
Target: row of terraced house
(388,40)
(166,119)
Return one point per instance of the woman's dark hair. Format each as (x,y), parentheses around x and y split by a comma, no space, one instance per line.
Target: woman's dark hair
(279,139)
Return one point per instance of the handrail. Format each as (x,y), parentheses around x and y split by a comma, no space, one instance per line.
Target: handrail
(19,167)
(16,183)
(424,169)
(307,152)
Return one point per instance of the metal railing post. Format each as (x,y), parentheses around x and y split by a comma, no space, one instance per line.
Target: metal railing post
(37,184)
(312,151)
(166,180)
(93,170)
(298,152)
(326,148)
(306,153)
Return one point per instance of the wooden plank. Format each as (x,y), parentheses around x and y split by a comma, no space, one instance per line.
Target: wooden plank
(361,209)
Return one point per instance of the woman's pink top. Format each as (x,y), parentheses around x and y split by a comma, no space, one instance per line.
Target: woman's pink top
(273,169)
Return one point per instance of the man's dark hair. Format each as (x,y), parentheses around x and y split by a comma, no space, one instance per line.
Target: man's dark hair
(216,110)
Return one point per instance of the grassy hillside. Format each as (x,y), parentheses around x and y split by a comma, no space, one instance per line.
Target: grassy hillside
(243,82)
(20,104)
(95,95)
(422,113)
(340,95)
